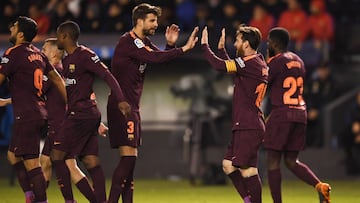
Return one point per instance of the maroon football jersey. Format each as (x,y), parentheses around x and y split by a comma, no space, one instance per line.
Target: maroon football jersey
(250,81)
(80,69)
(129,63)
(25,65)
(55,105)
(286,83)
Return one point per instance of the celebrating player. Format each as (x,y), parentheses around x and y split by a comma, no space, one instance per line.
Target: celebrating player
(79,130)
(286,126)
(133,51)
(24,65)
(250,78)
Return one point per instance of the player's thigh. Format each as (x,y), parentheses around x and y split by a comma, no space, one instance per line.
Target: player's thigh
(246,145)
(26,138)
(123,132)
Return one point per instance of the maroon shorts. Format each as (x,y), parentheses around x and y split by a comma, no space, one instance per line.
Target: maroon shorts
(244,147)
(122,131)
(26,137)
(284,136)
(78,137)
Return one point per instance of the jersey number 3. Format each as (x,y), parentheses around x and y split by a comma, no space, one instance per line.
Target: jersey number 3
(293,84)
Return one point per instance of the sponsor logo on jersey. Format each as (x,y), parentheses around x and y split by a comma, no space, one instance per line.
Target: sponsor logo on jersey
(70,81)
(95,59)
(240,62)
(142,68)
(72,68)
(139,43)
(4,60)
(45,78)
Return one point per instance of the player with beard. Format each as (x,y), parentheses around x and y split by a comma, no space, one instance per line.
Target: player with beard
(286,126)
(133,51)
(24,65)
(79,129)
(250,74)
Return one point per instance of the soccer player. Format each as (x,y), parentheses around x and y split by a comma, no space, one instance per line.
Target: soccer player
(250,74)
(24,65)
(79,129)
(133,51)
(286,125)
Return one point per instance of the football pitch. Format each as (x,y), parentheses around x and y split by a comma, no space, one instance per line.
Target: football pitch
(164,191)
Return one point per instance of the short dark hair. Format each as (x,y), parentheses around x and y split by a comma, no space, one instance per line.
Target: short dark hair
(250,34)
(280,36)
(141,10)
(27,26)
(71,28)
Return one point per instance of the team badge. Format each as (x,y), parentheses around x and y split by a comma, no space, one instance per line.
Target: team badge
(139,43)
(131,136)
(72,68)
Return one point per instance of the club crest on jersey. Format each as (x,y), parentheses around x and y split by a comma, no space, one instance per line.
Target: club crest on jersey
(131,136)
(72,68)
(240,62)
(139,43)
(4,60)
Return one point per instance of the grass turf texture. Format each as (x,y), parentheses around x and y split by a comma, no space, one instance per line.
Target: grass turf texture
(163,191)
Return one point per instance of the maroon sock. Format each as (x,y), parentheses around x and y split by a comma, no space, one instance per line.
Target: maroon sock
(85,188)
(63,179)
(238,182)
(274,179)
(98,179)
(22,176)
(128,192)
(304,173)
(123,170)
(253,184)
(38,183)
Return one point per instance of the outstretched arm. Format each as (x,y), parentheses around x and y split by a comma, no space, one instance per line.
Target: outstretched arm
(191,40)
(55,77)
(216,62)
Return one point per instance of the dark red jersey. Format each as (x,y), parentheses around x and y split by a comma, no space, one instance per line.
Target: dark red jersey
(55,105)
(286,83)
(129,63)
(250,81)
(24,65)
(80,69)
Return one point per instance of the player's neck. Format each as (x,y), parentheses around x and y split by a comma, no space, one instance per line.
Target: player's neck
(250,52)
(71,48)
(138,32)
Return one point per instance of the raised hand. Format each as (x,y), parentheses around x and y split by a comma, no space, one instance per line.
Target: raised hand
(221,44)
(192,40)
(125,108)
(204,36)
(172,34)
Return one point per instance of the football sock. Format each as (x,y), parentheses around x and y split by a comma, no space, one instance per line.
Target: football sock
(22,176)
(274,179)
(98,179)
(29,196)
(63,179)
(38,183)
(304,173)
(122,172)
(253,184)
(238,182)
(85,188)
(128,191)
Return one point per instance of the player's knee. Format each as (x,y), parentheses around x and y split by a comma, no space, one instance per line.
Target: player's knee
(248,172)
(45,162)
(228,167)
(90,161)
(290,163)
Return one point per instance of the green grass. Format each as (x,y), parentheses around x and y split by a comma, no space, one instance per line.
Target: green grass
(163,191)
